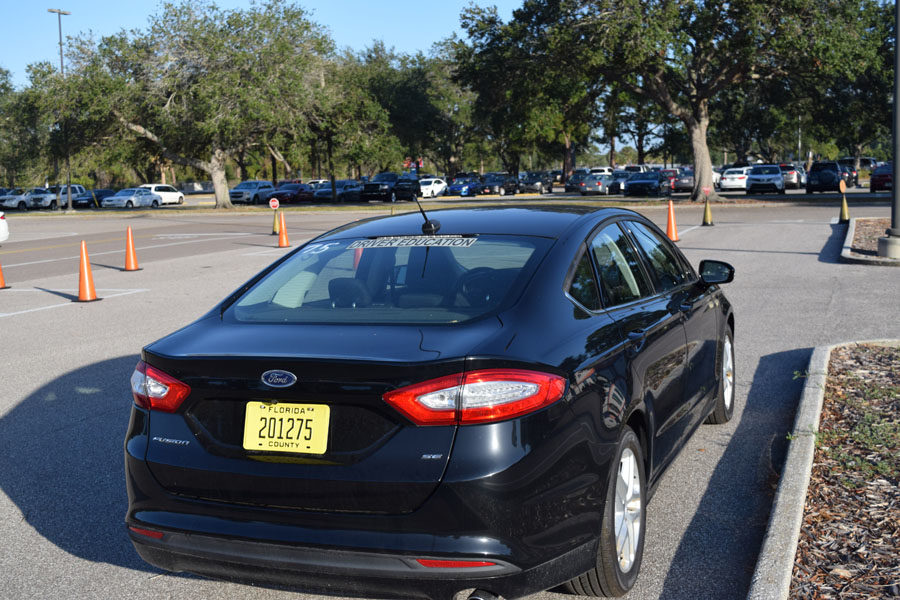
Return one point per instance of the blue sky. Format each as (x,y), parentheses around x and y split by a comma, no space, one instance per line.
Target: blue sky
(31,34)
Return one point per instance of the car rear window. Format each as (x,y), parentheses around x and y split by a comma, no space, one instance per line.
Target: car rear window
(765,170)
(393,280)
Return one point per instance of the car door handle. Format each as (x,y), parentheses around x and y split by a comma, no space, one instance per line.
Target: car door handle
(637,335)
(636,341)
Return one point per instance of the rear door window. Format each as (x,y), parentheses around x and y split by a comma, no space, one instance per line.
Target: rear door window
(667,269)
(583,288)
(618,265)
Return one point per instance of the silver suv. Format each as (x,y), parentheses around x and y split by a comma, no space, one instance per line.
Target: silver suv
(251,191)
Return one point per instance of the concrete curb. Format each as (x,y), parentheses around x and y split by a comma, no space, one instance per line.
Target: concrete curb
(772,577)
(848,256)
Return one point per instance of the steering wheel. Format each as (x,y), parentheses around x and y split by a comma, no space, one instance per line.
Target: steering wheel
(477,286)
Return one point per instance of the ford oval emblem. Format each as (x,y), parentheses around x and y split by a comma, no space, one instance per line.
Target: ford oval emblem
(279,379)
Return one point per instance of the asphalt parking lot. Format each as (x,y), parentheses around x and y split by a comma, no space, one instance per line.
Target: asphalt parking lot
(65,398)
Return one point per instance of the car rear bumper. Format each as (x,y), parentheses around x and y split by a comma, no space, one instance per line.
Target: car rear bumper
(338,572)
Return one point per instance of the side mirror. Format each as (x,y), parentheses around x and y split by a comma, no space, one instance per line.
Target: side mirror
(716,271)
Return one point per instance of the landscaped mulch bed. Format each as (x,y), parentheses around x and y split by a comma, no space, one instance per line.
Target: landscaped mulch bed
(866,234)
(849,543)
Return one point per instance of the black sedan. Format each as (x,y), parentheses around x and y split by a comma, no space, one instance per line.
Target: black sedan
(649,183)
(291,193)
(498,183)
(91,198)
(485,402)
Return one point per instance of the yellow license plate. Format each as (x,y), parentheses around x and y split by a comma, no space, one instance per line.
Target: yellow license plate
(281,427)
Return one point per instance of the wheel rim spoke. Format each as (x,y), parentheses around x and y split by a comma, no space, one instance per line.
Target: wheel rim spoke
(628,506)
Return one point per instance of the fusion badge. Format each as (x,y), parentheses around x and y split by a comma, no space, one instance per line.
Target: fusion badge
(279,379)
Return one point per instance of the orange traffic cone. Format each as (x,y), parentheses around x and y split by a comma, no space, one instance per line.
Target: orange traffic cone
(671,228)
(3,285)
(282,234)
(86,291)
(131,263)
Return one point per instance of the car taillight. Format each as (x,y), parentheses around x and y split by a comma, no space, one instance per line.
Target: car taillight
(742,177)
(477,397)
(154,390)
(454,564)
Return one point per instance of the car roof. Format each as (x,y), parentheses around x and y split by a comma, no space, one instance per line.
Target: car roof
(543,221)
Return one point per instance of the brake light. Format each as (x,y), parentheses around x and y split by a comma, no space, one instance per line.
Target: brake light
(156,535)
(155,390)
(477,397)
(742,177)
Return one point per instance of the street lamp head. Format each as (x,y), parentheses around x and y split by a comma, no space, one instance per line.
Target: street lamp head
(58,11)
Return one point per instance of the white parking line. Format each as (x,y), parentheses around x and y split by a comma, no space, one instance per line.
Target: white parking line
(187,236)
(101,293)
(689,229)
(122,251)
(42,236)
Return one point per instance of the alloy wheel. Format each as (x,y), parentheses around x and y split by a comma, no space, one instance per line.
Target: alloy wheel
(628,507)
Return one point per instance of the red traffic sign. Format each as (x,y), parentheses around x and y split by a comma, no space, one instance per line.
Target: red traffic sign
(273,203)
(706,191)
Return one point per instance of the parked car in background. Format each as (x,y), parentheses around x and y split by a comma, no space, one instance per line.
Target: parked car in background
(850,176)
(14,198)
(717,178)
(866,163)
(824,176)
(383,414)
(168,193)
(138,197)
(671,175)
(313,183)
(408,187)
(536,181)
(573,183)
(647,183)
(793,176)
(461,186)
(734,178)
(251,191)
(345,190)
(62,193)
(291,193)
(381,187)
(601,170)
(92,198)
(595,183)
(765,178)
(37,197)
(432,187)
(617,183)
(4,228)
(498,183)
(556,174)
(882,178)
(684,182)
(635,168)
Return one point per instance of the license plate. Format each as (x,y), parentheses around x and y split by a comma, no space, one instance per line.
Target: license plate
(281,427)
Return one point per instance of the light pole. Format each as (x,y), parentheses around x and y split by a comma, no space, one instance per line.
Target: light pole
(70,207)
(889,245)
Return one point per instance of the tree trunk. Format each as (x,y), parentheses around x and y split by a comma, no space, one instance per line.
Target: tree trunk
(220,183)
(568,157)
(697,128)
(329,151)
(612,151)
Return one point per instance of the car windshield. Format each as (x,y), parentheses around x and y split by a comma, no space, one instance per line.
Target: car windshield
(767,170)
(490,178)
(289,186)
(127,192)
(648,176)
(246,185)
(16,192)
(884,169)
(734,172)
(385,177)
(462,180)
(824,167)
(621,175)
(427,181)
(393,280)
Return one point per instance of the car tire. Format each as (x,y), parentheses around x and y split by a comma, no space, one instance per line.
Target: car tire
(255,200)
(501,191)
(22,206)
(619,560)
(129,204)
(782,191)
(180,199)
(154,204)
(393,197)
(724,407)
(53,205)
(414,197)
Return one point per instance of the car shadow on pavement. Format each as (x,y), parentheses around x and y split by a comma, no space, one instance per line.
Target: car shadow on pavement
(719,549)
(61,461)
(831,251)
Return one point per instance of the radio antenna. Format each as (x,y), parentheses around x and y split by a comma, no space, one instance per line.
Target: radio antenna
(430,227)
